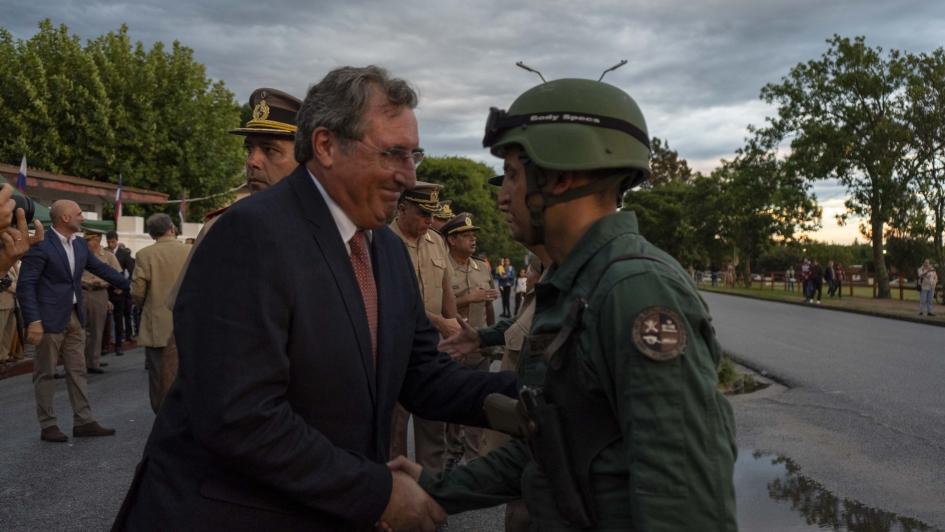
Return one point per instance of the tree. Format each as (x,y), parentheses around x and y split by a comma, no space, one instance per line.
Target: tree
(465,184)
(925,115)
(762,200)
(666,165)
(114,108)
(843,114)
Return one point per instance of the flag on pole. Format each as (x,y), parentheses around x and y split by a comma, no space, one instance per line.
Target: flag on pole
(21,176)
(118,202)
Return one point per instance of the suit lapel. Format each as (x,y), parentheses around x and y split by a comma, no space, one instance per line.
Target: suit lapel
(59,250)
(325,232)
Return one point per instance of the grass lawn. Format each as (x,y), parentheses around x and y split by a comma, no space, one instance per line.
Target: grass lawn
(862,300)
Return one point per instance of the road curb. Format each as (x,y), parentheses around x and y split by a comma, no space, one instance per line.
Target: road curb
(849,310)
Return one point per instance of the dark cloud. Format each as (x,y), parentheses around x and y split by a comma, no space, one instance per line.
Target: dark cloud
(695,68)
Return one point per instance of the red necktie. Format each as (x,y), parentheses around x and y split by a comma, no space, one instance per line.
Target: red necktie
(365,276)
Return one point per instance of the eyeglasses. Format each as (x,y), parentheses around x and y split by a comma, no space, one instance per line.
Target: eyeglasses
(395,158)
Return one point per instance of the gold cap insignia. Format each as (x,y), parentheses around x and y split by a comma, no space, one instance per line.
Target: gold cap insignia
(435,196)
(261,111)
(468,221)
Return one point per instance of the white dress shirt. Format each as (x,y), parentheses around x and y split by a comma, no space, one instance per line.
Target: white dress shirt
(70,254)
(346,227)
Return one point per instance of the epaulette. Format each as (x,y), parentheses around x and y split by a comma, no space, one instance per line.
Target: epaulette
(213,214)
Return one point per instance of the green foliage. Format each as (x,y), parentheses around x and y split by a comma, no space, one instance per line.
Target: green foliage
(925,115)
(843,116)
(760,201)
(666,165)
(114,108)
(465,184)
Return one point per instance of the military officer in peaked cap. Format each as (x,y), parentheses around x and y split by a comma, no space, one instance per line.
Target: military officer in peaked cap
(442,216)
(428,253)
(472,287)
(270,141)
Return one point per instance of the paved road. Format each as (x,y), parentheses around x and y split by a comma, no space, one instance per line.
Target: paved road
(80,485)
(864,412)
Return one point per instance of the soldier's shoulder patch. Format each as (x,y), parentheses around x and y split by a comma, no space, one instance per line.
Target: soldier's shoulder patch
(659,333)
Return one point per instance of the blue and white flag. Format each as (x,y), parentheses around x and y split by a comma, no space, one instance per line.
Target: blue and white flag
(21,176)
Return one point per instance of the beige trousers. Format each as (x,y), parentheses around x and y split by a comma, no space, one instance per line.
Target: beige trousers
(7,331)
(463,441)
(96,312)
(69,344)
(429,439)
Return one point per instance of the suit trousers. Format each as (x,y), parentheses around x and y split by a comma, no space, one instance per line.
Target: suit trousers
(155,361)
(96,312)
(70,345)
(463,441)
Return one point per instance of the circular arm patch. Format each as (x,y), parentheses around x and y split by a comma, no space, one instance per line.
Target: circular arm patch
(659,333)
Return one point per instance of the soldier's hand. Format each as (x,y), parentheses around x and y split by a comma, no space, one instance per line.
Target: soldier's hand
(461,344)
(409,507)
(405,465)
(34,333)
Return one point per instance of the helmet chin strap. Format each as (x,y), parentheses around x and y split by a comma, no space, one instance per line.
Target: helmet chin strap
(537,199)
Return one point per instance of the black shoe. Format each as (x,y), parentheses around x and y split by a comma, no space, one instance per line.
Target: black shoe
(119,353)
(97,371)
(930,314)
(58,375)
(103,364)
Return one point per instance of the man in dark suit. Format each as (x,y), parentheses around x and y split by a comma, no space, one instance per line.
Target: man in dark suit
(293,355)
(50,295)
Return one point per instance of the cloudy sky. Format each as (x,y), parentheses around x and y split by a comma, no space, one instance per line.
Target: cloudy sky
(694,67)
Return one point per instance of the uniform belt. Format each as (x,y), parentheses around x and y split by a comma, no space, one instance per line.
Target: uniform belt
(94,288)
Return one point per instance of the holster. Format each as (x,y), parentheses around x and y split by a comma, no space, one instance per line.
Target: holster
(551,451)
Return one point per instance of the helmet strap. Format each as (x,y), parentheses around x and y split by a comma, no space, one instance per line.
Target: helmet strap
(597,185)
(535,198)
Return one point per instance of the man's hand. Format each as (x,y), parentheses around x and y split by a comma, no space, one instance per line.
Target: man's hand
(7,205)
(449,327)
(461,344)
(34,333)
(481,295)
(409,507)
(406,465)
(17,241)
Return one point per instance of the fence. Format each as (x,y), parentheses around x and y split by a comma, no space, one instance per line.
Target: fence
(854,285)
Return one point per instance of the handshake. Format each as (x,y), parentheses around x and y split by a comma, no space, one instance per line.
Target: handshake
(409,508)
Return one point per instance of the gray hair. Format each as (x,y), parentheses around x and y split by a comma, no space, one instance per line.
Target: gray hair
(337,104)
(159,224)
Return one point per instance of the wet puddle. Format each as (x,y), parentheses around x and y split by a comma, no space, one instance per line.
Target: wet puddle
(773,496)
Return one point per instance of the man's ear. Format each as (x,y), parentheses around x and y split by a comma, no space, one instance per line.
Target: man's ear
(562,182)
(324,147)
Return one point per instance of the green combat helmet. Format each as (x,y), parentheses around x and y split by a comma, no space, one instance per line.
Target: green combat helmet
(573,124)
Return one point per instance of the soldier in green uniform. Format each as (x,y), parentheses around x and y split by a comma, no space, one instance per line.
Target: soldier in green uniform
(625,428)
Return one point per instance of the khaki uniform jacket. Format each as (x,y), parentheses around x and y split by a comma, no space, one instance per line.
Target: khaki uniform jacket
(8,296)
(106,256)
(466,277)
(156,270)
(431,264)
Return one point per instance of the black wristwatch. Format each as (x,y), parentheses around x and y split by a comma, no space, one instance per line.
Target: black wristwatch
(5,282)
